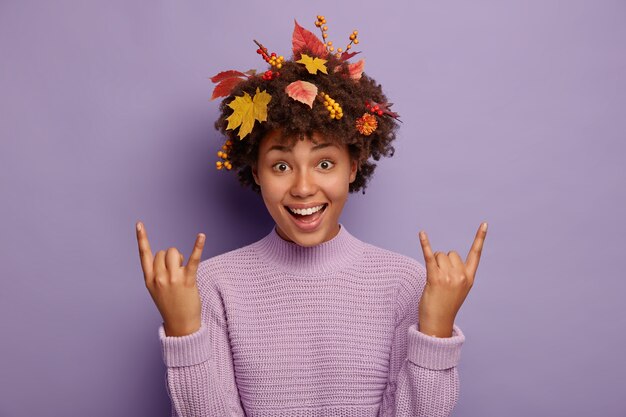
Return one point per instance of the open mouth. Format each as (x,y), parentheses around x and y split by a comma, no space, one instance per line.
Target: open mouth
(307,215)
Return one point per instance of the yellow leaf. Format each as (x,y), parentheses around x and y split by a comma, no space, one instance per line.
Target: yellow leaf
(261,100)
(313,64)
(246,110)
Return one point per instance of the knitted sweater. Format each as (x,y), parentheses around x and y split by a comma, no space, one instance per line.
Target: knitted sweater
(328,330)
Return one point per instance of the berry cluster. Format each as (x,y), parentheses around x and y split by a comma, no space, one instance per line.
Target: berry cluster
(374,109)
(270,75)
(335,110)
(272,59)
(276,61)
(223,153)
(321,23)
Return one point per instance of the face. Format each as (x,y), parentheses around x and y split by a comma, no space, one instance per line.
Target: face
(304,186)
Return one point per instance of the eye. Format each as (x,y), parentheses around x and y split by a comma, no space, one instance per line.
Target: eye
(280,167)
(326,164)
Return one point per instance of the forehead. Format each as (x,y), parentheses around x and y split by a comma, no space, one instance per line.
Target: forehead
(275,140)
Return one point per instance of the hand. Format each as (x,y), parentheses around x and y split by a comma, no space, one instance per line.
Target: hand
(448,281)
(173,287)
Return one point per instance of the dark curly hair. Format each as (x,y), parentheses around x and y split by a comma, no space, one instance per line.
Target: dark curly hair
(297,120)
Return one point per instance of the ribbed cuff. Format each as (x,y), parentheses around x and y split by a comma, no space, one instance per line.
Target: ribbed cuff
(188,350)
(435,353)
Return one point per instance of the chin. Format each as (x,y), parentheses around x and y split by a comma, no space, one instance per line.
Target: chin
(306,239)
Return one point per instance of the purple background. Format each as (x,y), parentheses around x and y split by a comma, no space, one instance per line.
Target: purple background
(513,113)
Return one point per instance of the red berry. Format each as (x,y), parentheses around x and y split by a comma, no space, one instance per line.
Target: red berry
(273,53)
(258,51)
(380,112)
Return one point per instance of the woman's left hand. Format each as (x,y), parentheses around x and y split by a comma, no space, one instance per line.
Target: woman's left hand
(448,281)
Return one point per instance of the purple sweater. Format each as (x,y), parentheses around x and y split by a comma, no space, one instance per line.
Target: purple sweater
(329,330)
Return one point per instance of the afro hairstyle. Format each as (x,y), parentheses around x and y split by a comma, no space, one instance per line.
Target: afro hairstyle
(297,121)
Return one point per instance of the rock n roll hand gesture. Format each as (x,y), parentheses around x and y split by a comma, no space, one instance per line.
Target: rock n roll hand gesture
(448,281)
(173,287)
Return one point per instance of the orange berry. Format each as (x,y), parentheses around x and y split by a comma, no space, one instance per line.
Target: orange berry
(325,28)
(356,41)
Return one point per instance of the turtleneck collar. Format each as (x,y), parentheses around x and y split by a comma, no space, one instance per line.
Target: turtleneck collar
(328,256)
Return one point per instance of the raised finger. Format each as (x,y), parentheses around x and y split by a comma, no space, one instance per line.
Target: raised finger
(196,254)
(429,258)
(145,253)
(473,257)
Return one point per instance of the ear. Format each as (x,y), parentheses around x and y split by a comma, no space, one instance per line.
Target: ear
(255,174)
(354,165)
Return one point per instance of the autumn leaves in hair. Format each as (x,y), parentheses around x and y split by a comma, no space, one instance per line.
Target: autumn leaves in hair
(360,116)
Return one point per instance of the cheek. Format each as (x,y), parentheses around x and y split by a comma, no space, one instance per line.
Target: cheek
(272,188)
(337,188)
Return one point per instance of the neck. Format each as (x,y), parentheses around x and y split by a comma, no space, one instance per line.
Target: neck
(333,254)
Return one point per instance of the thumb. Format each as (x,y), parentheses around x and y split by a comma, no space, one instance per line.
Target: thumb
(196,254)
(429,258)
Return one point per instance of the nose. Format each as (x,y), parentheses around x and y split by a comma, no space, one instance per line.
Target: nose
(304,184)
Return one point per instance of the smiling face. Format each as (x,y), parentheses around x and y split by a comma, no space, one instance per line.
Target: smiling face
(304,186)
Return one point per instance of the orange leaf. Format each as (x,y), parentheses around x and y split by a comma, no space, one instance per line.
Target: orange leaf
(305,41)
(356,70)
(302,91)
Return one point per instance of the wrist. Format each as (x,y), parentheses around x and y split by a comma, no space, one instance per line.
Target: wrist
(437,329)
(179,331)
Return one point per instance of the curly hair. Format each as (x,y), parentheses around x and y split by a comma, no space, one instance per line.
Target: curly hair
(297,120)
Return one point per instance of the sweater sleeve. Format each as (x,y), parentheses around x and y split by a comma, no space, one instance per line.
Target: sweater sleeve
(423,379)
(200,378)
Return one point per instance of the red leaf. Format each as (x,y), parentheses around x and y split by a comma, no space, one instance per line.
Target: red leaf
(226,74)
(304,40)
(355,70)
(302,91)
(385,108)
(224,88)
(347,55)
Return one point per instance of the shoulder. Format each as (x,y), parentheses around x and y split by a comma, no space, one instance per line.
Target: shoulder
(399,263)
(409,273)
(213,269)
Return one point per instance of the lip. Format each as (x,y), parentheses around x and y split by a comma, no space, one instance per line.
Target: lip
(304,206)
(311,225)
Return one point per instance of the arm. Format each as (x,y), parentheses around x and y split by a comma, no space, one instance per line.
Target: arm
(423,378)
(200,377)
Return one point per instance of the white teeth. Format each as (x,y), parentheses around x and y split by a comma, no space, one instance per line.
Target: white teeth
(307,211)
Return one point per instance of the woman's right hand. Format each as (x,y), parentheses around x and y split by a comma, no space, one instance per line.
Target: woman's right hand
(173,287)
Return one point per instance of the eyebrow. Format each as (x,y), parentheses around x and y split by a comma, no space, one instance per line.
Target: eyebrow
(283,148)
